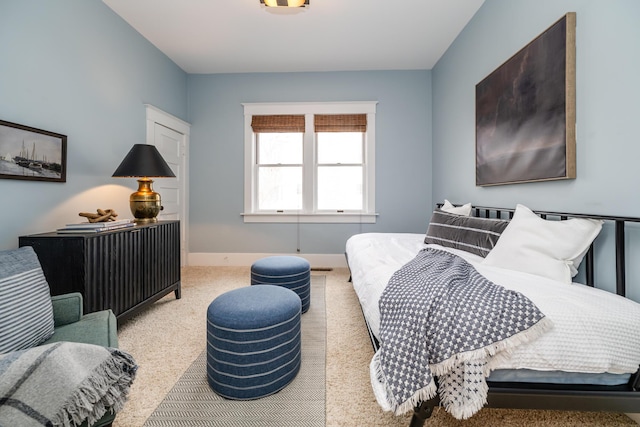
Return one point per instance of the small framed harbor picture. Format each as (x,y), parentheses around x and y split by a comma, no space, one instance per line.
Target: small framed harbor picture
(32,154)
(526,112)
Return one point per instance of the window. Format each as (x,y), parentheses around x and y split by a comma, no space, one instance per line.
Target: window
(310,162)
(279,164)
(340,168)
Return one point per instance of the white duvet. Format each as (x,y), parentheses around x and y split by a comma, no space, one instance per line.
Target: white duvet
(594,331)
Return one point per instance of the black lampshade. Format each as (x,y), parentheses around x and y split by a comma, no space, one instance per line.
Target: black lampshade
(144,160)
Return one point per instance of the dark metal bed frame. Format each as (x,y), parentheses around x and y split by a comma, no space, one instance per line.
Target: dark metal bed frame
(621,398)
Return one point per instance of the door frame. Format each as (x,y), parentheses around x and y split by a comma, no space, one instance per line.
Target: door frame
(157,116)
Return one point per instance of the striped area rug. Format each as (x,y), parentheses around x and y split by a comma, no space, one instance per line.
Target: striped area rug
(192,403)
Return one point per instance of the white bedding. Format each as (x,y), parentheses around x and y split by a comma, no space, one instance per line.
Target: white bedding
(594,331)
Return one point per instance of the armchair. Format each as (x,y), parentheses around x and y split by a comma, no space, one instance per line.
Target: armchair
(71,324)
(30,317)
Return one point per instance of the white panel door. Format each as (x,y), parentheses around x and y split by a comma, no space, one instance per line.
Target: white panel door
(169,144)
(171,136)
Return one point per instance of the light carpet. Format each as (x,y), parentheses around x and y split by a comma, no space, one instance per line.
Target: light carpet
(192,403)
(167,337)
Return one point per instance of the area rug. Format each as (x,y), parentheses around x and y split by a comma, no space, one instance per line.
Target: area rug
(191,403)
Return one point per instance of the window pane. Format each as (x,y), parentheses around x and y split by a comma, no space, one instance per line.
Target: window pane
(340,147)
(279,188)
(340,187)
(279,148)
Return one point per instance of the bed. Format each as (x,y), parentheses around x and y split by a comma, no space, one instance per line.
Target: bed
(582,352)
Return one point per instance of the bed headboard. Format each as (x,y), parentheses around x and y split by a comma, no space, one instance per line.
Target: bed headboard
(620,223)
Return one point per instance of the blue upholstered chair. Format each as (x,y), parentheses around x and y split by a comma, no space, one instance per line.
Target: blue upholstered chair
(29,316)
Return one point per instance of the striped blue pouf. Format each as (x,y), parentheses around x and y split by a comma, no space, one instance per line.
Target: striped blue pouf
(253,341)
(291,272)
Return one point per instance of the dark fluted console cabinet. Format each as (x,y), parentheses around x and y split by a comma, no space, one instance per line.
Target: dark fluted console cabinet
(124,270)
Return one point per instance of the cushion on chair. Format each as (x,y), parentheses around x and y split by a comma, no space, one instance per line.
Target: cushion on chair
(99,328)
(67,308)
(253,341)
(26,313)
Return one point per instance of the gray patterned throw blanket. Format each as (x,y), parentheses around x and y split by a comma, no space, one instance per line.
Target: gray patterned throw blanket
(440,317)
(63,384)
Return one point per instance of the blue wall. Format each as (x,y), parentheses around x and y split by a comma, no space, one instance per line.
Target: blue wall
(76,68)
(607,86)
(607,94)
(403,150)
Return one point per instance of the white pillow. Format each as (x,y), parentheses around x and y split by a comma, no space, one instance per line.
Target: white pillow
(460,210)
(551,249)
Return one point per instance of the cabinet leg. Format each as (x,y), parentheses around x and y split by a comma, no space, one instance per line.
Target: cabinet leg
(178,292)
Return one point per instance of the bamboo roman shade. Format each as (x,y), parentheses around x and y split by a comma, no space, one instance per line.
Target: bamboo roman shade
(340,122)
(278,123)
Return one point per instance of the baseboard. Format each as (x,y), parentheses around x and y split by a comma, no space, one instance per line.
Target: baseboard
(634,417)
(317,261)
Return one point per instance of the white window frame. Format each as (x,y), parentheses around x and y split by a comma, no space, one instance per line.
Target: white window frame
(309,213)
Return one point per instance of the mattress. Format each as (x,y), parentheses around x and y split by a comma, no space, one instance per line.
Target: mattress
(591,342)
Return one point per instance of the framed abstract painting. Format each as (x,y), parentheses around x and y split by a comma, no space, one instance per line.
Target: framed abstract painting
(526,112)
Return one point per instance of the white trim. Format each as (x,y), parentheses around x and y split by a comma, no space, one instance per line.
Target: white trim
(309,214)
(370,146)
(247,259)
(355,107)
(338,218)
(249,160)
(310,156)
(165,119)
(155,115)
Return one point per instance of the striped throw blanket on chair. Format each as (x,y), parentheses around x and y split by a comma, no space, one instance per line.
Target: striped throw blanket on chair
(63,384)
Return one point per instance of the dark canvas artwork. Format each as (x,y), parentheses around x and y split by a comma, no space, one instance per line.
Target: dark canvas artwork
(521,114)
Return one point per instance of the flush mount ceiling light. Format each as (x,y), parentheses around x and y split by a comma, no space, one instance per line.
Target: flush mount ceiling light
(285,3)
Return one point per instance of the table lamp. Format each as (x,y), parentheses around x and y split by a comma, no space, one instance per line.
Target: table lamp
(144,162)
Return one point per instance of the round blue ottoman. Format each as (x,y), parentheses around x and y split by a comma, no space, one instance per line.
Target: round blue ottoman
(253,341)
(291,272)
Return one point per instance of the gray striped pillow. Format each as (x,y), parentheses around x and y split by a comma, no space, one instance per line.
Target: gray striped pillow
(471,234)
(26,313)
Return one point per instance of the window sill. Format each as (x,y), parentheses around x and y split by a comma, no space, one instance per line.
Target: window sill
(337,218)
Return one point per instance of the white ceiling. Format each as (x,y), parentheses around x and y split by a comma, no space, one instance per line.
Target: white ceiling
(238,36)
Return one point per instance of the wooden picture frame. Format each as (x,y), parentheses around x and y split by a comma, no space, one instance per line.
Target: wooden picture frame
(32,154)
(526,112)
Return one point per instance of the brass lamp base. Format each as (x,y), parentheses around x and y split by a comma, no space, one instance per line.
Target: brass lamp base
(145,203)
